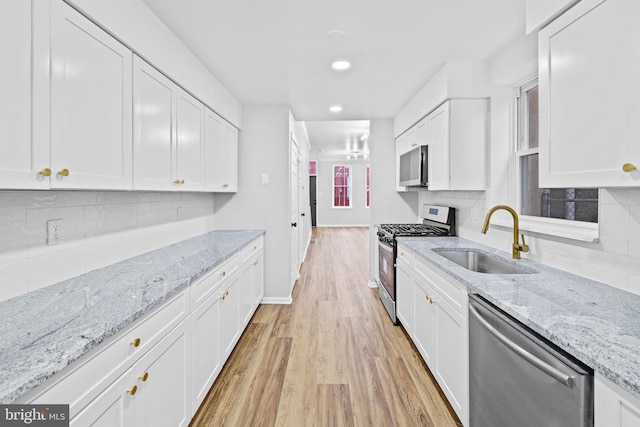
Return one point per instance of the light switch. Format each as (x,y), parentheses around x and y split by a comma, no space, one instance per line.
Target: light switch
(265,178)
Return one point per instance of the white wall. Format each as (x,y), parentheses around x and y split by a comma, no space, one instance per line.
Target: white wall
(387,205)
(263,149)
(614,260)
(327,216)
(100,228)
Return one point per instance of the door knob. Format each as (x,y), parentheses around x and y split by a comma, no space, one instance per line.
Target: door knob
(302,214)
(294,224)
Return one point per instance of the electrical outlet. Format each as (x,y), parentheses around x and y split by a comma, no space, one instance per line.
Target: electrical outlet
(55,232)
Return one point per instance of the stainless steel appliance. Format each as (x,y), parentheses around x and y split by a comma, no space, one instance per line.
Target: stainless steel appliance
(414,167)
(517,378)
(437,221)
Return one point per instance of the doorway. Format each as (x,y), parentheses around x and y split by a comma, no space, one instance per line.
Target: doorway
(312,199)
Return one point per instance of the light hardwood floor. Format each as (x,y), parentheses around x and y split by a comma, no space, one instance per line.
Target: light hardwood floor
(331,358)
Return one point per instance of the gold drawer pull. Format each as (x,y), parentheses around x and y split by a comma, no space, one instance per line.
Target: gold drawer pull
(45,172)
(179,181)
(225,185)
(629,167)
(133,390)
(64,172)
(135,342)
(144,376)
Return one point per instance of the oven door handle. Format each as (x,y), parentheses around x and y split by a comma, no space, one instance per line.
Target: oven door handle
(538,363)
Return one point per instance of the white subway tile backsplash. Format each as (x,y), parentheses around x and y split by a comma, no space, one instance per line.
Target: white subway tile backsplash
(100,228)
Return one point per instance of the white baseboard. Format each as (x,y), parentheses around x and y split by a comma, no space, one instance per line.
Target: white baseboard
(372,283)
(276,300)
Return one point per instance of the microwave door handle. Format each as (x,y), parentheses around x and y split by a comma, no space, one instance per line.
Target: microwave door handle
(540,364)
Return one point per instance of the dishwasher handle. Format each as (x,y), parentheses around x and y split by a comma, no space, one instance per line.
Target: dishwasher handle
(538,363)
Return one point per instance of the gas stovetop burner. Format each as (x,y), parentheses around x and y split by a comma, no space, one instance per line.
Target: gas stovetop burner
(414,230)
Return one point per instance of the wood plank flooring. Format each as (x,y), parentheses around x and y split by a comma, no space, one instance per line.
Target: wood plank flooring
(331,358)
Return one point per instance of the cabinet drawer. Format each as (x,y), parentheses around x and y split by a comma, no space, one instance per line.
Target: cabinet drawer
(253,248)
(454,293)
(205,286)
(404,256)
(84,382)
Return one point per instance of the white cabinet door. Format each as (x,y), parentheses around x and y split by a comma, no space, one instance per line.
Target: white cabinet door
(614,407)
(452,357)
(404,297)
(91,108)
(401,142)
(258,279)
(438,152)
(425,321)
(154,116)
(189,166)
(221,154)
(229,315)
(115,407)
(589,91)
(20,158)
(164,382)
(245,291)
(205,353)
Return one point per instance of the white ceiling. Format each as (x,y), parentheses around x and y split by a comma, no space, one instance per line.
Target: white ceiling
(278,52)
(339,139)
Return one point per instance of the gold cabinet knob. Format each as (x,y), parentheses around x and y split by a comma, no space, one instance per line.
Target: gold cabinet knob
(255,248)
(224,273)
(135,342)
(629,167)
(133,390)
(64,172)
(225,185)
(45,172)
(255,263)
(144,376)
(182,181)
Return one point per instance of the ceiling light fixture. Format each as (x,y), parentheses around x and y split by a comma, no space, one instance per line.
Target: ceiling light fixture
(335,109)
(340,65)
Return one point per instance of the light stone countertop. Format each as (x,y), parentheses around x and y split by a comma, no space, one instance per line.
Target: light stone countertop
(596,323)
(44,331)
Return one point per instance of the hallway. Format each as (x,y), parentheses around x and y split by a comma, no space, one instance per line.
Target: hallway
(331,358)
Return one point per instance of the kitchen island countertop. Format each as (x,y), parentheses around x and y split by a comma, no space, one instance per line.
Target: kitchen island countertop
(44,331)
(596,323)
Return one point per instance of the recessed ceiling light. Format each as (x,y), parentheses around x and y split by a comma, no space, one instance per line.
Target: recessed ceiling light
(341,65)
(336,35)
(335,108)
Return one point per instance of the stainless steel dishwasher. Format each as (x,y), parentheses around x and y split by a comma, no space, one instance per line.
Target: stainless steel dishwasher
(517,378)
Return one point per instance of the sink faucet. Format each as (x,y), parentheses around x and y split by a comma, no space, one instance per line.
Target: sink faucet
(517,247)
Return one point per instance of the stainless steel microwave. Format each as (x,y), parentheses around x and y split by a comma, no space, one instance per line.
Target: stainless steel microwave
(414,170)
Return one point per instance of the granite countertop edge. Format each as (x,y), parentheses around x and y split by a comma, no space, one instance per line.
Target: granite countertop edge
(46,330)
(596,323)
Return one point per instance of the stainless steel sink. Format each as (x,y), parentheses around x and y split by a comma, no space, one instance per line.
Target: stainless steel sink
(481,262)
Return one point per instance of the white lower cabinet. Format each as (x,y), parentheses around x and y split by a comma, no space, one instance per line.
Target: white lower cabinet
(206,357)
(614,407)
(435,307)
(158,371)
(404,297)
(154,392)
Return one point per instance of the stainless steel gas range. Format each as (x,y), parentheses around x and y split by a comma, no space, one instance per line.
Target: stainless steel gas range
(437,221)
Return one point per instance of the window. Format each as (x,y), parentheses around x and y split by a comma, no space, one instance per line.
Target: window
(313,167)
(367,186)
(341,186)
(575,204)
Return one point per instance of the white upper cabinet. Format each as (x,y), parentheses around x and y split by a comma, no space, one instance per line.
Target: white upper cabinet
(20,159)
(154,116)
(91,108)
(189,166)
(168,133)
(456,133)
(540,12)
(589,96)
(220,154)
